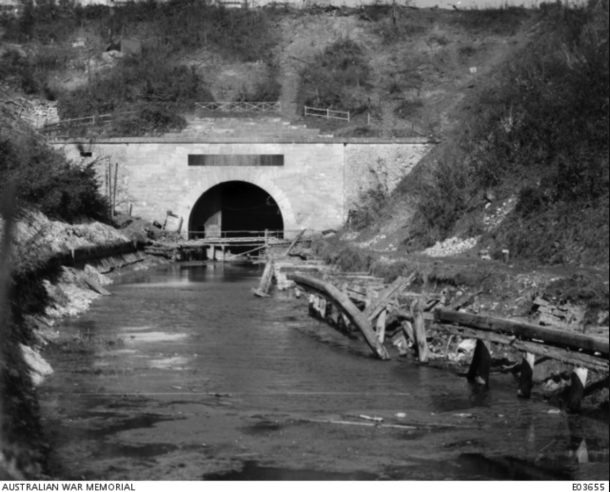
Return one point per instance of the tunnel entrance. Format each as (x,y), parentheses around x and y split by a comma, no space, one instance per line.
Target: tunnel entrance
(235,209)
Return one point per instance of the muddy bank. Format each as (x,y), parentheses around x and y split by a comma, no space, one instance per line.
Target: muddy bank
(58,270)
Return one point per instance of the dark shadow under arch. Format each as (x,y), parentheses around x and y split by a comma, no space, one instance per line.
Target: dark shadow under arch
(235,209)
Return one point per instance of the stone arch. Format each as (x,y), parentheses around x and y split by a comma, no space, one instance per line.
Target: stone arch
(282,201)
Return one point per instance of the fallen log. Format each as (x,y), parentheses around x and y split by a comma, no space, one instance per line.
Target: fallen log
(562,354)
(527,331)
(356,317)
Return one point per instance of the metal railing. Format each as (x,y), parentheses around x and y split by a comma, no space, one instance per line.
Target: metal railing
(241,107)
(279,234)
(94,120)
(327,113)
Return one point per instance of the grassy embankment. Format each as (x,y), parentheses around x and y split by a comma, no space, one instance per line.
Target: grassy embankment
(536,129)
(155,87)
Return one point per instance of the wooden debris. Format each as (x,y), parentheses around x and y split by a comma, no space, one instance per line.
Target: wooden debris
(526,376)
(294,242)
(481,365)
(565,316)
(577,389)
(386,296)
(381,321)
(561,354)
(265,283)
(526,331)
(419,329)
(464,301)
(355,316)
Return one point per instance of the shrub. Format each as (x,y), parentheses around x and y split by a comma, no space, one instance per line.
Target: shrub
(146,120)
(338,78)
(549,129)
(45,181)
(153,91)
(17,72)
(371,205)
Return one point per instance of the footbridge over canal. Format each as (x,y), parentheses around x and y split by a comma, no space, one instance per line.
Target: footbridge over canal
(224,176)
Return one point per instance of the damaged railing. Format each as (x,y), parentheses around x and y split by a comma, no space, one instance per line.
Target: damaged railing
(241,107)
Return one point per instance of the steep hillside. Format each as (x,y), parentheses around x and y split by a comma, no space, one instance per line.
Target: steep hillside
(515,99)
(525,166)
(417,62)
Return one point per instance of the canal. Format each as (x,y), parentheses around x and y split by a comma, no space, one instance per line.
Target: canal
(184,374)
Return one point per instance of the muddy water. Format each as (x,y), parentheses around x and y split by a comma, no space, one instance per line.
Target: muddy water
(183,374)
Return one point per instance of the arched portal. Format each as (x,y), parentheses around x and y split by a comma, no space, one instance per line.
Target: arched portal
(235,209)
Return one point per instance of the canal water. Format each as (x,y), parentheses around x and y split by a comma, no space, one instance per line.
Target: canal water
(184,374)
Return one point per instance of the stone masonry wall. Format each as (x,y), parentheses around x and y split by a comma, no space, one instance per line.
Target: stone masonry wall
(370,165)
(315,188)
(155,177)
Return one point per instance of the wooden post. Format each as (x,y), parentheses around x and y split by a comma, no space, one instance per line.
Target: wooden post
(527,373)
(322,308)
(265,283)
(114,191)
(481,365)
(223,253)
(381,326)
(420,332)
(407,328)
(311,302)
(577,389)
(130,209)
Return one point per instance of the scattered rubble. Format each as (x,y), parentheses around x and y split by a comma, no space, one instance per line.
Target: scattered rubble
(451,246)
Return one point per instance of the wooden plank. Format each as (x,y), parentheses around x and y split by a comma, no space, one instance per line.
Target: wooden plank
(523,330)
(294,243)
(355,316)
(386,296)
(265,283)
(419,329)
(381,319)
(564,355)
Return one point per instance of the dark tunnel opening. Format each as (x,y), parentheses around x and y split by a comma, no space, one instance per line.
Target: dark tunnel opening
(235,209)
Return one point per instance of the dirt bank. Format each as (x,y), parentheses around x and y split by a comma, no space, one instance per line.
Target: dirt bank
(58,271)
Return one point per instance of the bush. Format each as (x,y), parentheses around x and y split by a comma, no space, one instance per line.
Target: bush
(545,138)
(371,205)
(17,72)
(338,78)
(146,120)
(45,181)
(441,202)
(147,79)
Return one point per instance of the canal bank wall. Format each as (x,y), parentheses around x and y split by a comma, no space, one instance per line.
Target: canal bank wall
(56,273)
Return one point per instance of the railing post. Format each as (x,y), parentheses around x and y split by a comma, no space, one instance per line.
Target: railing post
(328,113)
